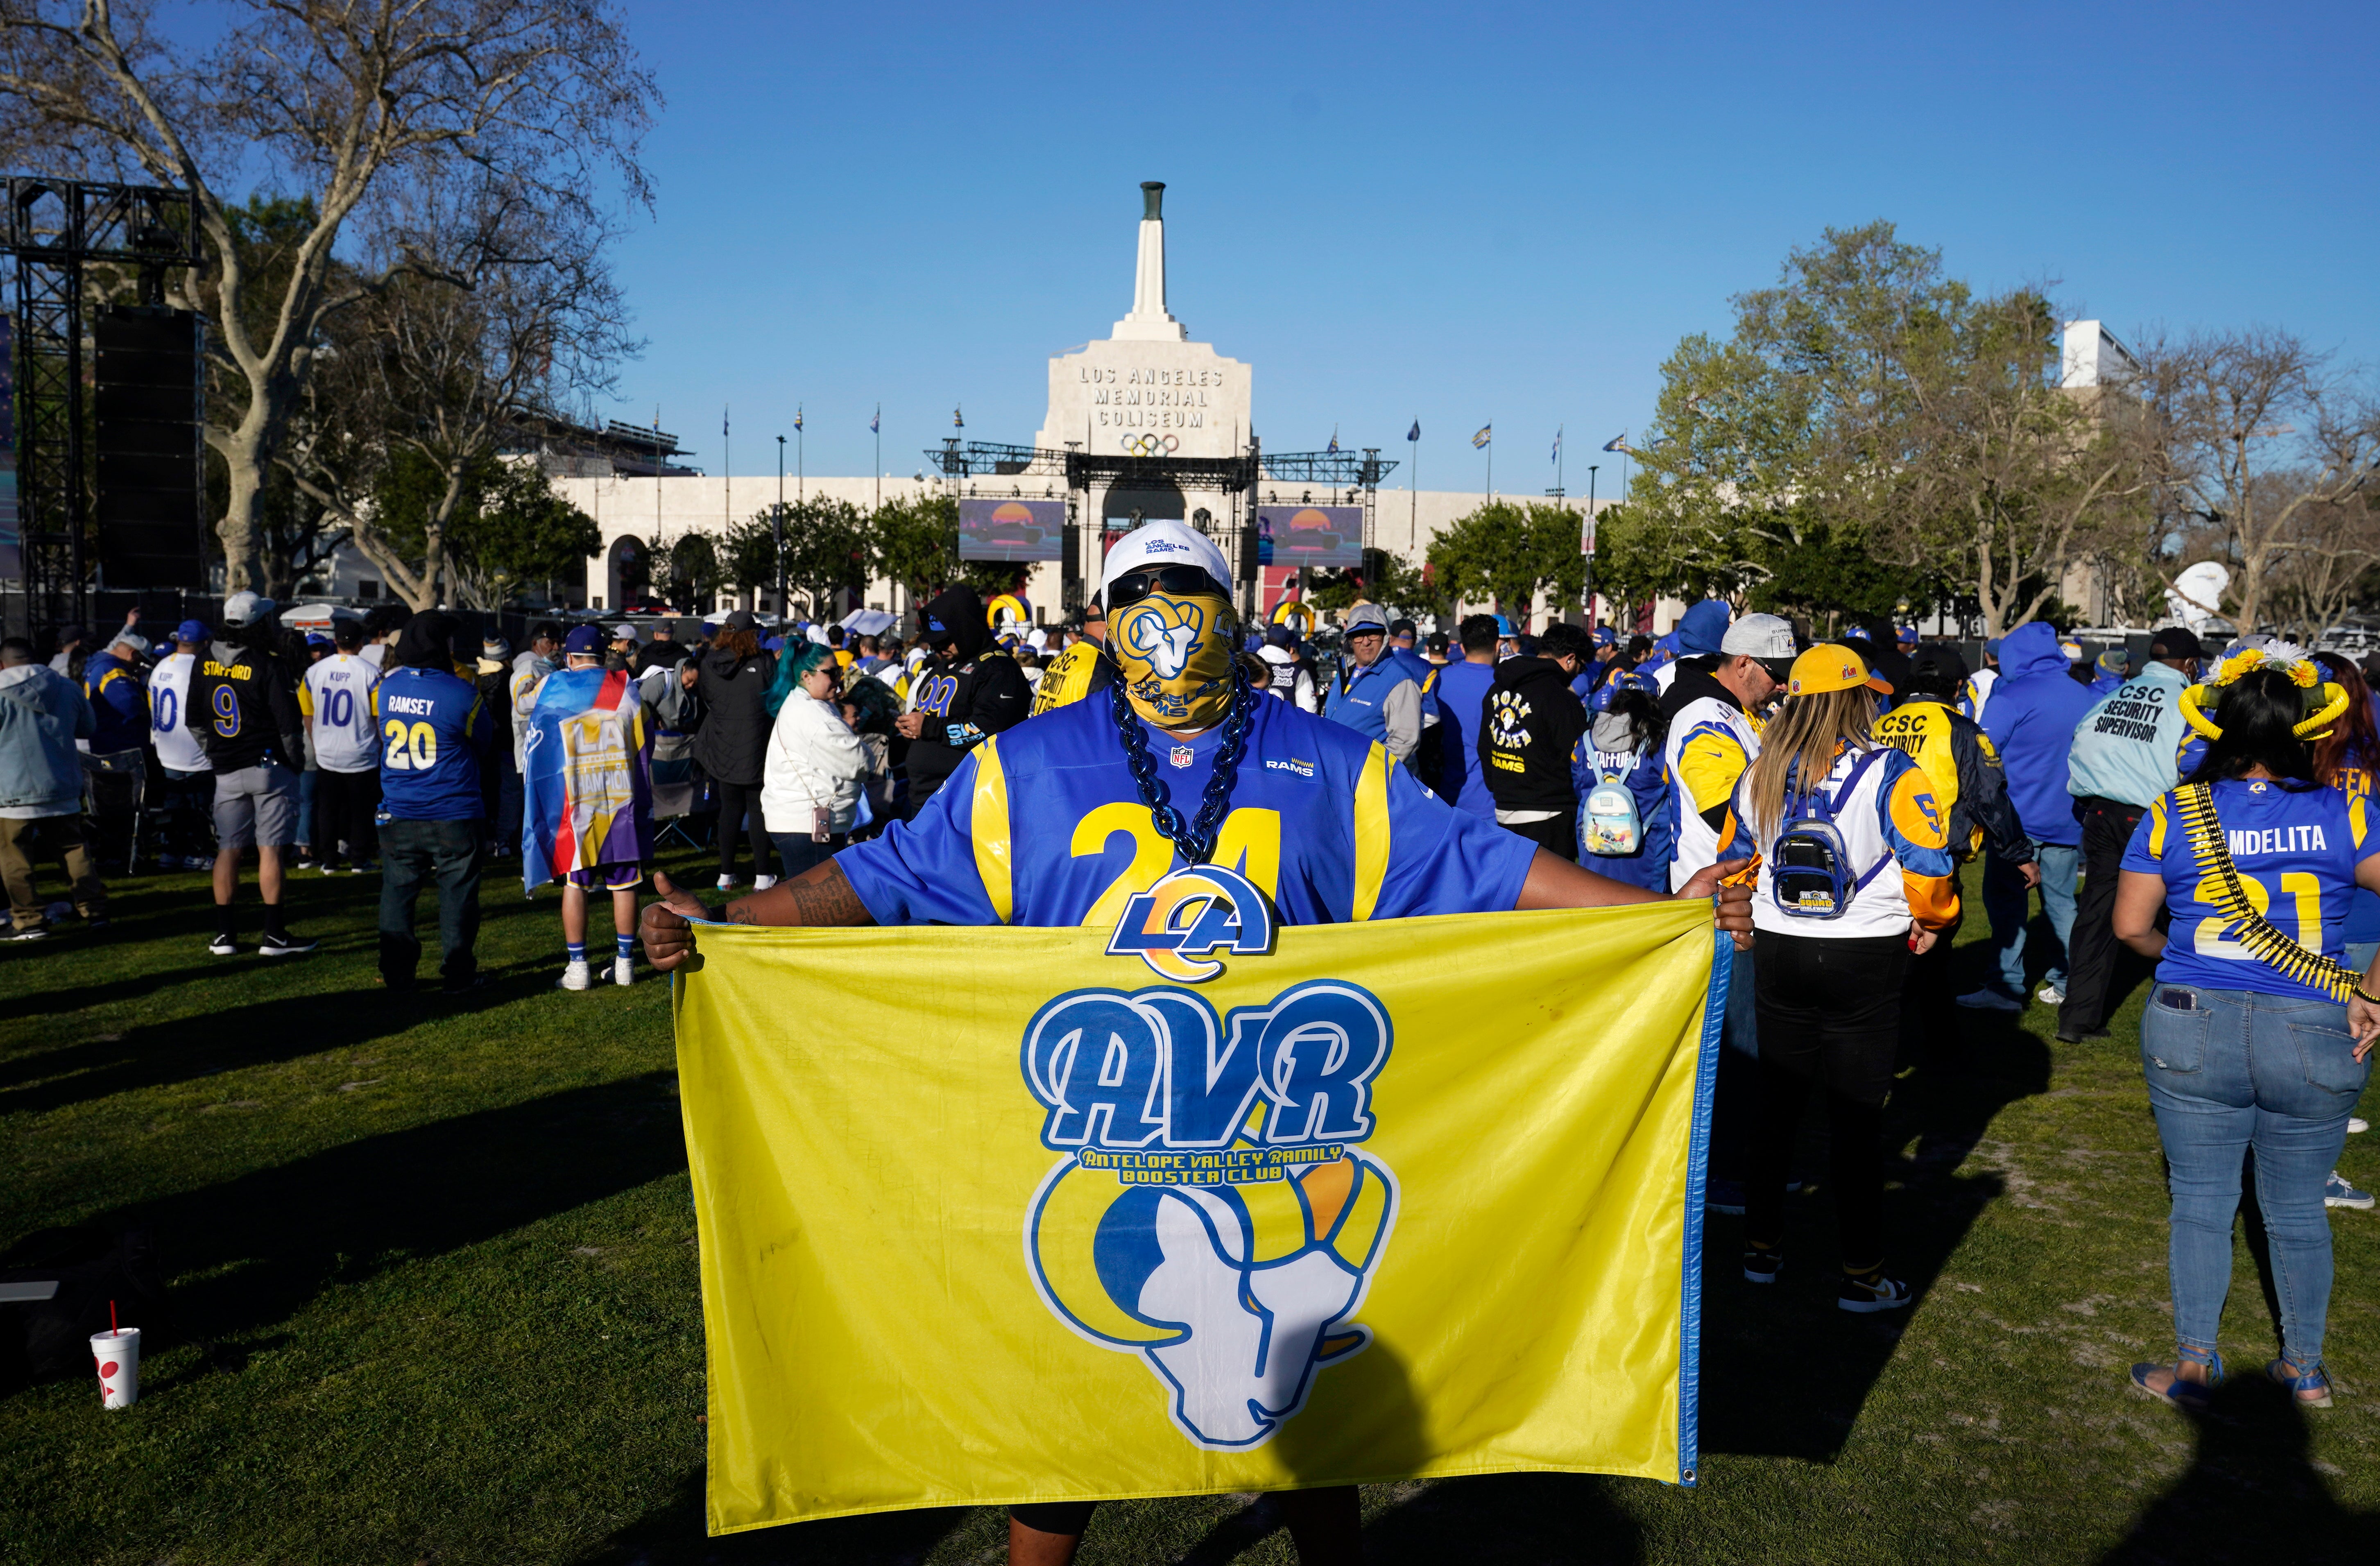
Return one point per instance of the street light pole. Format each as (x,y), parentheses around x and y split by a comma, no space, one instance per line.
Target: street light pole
(777,526)
(1589,604)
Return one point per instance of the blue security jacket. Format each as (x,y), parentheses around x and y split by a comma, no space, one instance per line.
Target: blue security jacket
(2034,709)
(2127,746)
(1359,697)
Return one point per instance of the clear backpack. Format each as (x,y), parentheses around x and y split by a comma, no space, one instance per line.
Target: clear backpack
(1608,823)
(1809,865)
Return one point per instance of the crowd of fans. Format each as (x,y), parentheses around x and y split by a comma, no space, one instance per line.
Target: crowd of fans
(1847,782)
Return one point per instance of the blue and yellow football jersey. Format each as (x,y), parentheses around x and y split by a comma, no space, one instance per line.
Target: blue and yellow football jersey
(1043,825)
(2296,847)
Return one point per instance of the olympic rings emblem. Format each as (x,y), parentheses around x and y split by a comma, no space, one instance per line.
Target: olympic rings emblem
(1151,445)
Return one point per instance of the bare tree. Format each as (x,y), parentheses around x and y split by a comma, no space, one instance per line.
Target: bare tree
(2022,478)
(2259,439)
(513,313)
(365,107)
(2327,567)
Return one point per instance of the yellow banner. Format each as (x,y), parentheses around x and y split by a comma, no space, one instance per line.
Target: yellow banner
(992,1215)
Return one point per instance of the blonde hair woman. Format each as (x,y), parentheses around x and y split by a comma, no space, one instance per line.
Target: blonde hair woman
(1826,814)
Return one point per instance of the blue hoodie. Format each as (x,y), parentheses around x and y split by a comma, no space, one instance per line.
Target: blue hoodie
(2030,718)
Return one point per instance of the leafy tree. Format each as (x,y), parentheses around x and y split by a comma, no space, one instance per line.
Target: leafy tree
(508,529)
(692,572)
(915,543)
(1504,552)
(827,548)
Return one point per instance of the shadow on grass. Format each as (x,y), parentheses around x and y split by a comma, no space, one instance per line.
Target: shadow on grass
(1785,1372)
(263,1246)
(2250,1494)
(673,1535)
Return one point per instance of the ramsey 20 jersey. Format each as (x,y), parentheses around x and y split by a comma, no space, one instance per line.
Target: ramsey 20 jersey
(1044,825)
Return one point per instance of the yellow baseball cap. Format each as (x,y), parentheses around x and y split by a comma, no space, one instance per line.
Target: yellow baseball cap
(1831,666)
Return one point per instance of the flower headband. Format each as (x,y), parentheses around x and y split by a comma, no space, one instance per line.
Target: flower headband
(2325,700)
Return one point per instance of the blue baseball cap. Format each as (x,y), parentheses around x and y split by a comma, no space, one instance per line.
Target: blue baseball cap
(316,638)
(1504,625)
(1606,637)
(584,640)
(190,630)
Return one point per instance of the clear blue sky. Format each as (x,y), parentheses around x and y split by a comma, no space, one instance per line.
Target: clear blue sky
(1403,213)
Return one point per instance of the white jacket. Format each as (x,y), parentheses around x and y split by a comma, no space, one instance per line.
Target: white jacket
(814,760)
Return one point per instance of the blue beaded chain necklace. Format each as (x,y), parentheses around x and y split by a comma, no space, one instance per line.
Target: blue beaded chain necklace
(1194,839)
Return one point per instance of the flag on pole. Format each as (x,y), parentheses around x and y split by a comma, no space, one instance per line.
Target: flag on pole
(1334,447)
(876,425)
(957,422)
(1413,433)
(1481,439)
(1618,442)
(797,418)
(1557,456)
(723,423)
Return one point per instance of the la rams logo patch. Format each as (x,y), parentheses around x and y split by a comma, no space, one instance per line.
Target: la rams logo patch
(1193,913)
(1211,1213)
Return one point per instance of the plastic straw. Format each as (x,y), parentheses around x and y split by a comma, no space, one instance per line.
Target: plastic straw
(111,1315)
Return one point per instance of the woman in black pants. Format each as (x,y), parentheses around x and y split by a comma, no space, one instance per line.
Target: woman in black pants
(732,744)
(1829,812)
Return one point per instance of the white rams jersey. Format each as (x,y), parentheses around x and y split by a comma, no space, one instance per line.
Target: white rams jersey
(169,705)
(346,735)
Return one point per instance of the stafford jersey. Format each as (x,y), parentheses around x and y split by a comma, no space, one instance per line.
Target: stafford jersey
(2296,850)
(169,715)
(1043,825)
(1710,745)
(433,728)
(347,736)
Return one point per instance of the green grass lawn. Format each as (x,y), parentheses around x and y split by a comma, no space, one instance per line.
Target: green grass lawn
(444,1253)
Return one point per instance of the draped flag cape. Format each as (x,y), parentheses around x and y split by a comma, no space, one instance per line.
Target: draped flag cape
(587,778)
(998,1215)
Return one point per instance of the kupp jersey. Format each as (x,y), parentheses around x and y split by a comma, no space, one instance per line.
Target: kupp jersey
(169,715)
(433,727)
(346,734)
(2296,850)
(1710,745)
(1043,825)
(1891,813)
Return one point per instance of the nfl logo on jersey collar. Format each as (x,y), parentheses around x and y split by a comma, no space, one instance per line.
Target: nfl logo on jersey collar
(1183,756)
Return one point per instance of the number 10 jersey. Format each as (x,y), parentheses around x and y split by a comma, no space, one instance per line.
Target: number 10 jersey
(347,737)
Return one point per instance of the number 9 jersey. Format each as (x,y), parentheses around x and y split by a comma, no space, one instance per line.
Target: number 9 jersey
(346,735)
(433,728)
(2296,848)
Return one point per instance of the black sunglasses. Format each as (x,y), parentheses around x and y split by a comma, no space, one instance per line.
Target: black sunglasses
(1180,580)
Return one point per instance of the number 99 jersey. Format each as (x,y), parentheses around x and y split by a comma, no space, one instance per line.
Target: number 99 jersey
(346,735)
(2296,849)
(433,728)
(1043,824)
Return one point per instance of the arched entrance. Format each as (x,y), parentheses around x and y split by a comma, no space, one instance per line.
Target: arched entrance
(628,573)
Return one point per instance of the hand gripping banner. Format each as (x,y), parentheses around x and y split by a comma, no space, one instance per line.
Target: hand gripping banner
(1011,1215)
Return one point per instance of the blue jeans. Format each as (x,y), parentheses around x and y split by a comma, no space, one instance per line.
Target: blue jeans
(2228,1070)
(306,809)
(1735,1093)
(797,851)
(2008,908)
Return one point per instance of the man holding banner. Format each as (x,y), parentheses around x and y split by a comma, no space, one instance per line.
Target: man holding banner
(1226,1185)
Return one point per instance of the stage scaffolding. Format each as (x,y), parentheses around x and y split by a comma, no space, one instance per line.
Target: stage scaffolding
(1240,484)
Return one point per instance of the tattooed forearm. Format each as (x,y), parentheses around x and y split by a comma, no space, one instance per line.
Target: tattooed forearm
(822,895)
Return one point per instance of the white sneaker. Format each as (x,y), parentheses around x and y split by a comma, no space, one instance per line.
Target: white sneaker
(728,883)
(624,970)
(222,946)
(1990,999)
(2355,1125)
(577,976)
(762,883)
(2050,995)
